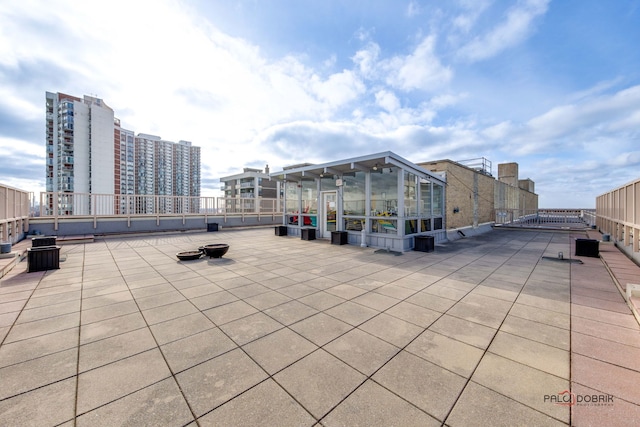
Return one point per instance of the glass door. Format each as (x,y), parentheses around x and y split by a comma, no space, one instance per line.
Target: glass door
(329,214)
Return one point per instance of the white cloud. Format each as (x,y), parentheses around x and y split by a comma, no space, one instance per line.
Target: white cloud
(17,147)
(387,100)
(338,89)
(446,100)
(471,11)
(413,9)
(516,27)
(498,132)
(366,59)
(575,126)
(420,70)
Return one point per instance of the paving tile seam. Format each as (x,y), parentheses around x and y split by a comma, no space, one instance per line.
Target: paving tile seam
(79,341)
(269,376)
(592,357)
(404,349)
(605,321)
(14,323)
(637,346)
(122,397)
(605,393)
(548,241)
(184,397)
(322,348)
(37,357)
(537,307)
(618,285)
(237,347)
(610,310)
(535,340)
(251,388)
(39,387)
(519,402)
(379,384)
(128,356)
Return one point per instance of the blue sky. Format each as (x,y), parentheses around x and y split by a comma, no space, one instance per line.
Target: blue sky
(552,85)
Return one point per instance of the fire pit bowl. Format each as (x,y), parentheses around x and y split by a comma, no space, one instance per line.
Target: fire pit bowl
(215,250)
(188,255)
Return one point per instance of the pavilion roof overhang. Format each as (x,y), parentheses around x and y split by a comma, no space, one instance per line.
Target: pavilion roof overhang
(364,163)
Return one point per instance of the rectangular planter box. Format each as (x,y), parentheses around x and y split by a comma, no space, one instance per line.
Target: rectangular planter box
(587,247)
(43,258)
(43,241)
(424,243)
(213,226)
(281,230)
(339,237)
(308,233)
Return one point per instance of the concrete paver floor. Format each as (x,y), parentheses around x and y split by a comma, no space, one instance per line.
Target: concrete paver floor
(281,331)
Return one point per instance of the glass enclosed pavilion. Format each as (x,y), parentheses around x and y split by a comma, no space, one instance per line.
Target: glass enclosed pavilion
(381,199)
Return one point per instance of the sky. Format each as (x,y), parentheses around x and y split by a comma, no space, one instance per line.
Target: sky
(553,85)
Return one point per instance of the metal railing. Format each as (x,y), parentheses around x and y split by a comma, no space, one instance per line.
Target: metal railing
(14,213)
(618,214)
(544,217)
(54,204)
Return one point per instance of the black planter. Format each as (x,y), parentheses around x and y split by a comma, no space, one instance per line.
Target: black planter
(189,255)
(43,258)
(213,226)
(308,234)
(424,243)
(281,230)
(587,247)
(339,237)
(215,250)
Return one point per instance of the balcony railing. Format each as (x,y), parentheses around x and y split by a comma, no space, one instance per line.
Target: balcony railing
(618,214)
(545,217)
(14,213)
(86,204)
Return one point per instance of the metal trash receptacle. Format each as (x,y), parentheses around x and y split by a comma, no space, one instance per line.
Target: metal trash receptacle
(424,243)
(339,238)
(587,247)
(42,258)
(308,234)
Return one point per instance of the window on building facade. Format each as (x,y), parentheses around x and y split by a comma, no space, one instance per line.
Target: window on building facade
(384,192)
(353,187)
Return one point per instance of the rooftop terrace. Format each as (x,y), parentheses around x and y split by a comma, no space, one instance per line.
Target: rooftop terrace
(281,331)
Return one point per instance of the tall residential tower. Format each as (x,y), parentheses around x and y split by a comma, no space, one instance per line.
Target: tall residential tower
(89,153)
(80,150)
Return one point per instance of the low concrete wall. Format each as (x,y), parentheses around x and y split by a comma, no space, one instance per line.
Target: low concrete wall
(457,233)
(628,250)
(122,225)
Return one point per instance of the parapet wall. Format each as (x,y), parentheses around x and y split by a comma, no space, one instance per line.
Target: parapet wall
(73,226)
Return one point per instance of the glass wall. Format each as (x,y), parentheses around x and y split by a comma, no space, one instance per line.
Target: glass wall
(410,185)
(425,205)
(354,193)
(384,192)
(400,202)
(438,200)
(354,200)
(384,200)
(309,202)
(291,202)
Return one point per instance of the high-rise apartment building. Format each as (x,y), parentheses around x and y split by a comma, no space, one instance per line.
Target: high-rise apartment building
(80,150)
(88,152)
(169,169)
